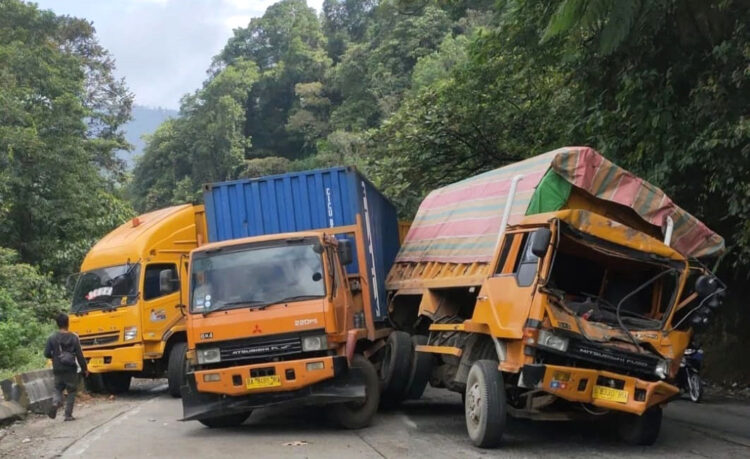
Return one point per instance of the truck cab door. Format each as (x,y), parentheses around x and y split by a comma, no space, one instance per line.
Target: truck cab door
(340,295)
(505,298)
(160,300)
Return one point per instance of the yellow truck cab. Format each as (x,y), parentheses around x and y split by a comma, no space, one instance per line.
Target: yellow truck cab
(126,306)
(555,288)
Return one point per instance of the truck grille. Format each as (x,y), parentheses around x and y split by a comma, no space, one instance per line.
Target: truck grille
(99,339)
(613,358)
(263,348)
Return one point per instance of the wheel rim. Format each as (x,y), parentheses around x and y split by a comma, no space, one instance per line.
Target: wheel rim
(474,404)
(694,385)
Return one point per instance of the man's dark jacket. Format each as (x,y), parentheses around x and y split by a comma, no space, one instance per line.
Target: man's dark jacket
(67,342)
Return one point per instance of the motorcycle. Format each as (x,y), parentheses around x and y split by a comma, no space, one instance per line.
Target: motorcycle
(688,377)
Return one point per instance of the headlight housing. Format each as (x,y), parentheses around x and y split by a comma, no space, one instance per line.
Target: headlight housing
(314,343)
(130,333)
(662,369)
(552,341)
(208,355)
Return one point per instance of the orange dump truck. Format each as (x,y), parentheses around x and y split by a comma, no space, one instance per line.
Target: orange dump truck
(288,307)
(558,287)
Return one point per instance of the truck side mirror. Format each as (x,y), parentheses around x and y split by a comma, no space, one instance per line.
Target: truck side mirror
(705,285)
(345,252)
(166,281)
(540,241)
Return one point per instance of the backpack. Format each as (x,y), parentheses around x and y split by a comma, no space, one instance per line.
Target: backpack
(64,357)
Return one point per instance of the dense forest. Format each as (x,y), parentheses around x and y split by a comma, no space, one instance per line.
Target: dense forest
(415,93)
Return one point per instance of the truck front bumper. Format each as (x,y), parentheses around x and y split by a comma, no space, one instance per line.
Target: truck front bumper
(334,383)
(125,358)
(600,388)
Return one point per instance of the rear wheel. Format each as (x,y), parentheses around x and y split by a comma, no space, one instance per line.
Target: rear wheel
(396,366)
(228,420)
(640,430)
(421,367)
(356,415)
(485,404)
(176,368)
(116,383)
(695,386)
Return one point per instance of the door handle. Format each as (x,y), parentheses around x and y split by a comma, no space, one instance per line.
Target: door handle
(482,298)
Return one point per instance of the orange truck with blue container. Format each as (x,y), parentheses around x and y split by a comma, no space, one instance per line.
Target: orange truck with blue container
(287,304)
(558,287)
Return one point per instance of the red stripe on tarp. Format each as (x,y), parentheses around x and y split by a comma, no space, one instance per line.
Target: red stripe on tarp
(471,191)
(627,190)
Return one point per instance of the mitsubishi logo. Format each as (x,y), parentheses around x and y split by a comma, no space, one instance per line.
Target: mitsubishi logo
(257,329)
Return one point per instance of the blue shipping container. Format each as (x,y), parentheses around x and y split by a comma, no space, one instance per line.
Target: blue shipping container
(309,200)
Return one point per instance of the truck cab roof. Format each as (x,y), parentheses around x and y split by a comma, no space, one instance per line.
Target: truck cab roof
(263,238)
(143,235)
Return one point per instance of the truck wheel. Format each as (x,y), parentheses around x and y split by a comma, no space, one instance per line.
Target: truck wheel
(395,368)
(485,405)
(640,430)
(356,415)
(94,383)
(421,367)
(176,369)
(228,420)
(116,383)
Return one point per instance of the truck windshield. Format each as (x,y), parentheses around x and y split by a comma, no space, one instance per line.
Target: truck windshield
(105,288)
(256,276)
(593,282)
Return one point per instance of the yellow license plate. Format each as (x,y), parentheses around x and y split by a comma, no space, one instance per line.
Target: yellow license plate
(96,361)
(607,393)
(263,381)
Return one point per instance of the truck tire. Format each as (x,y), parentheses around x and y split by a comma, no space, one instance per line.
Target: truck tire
(640,430)
(395,368)
(176,369)
(116,383)
(228,420)
(94,383)
(421,367)
(356,415)
(485,406)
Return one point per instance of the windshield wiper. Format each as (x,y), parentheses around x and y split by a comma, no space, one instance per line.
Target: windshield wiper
(286,300)
(232,303)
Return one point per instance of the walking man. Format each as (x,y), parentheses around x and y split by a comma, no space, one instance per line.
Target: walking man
(64,349)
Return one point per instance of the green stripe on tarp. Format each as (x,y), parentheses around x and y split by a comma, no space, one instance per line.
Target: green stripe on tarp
(551,194)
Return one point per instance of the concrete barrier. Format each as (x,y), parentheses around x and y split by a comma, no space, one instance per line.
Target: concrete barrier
(37,388)
(11,411)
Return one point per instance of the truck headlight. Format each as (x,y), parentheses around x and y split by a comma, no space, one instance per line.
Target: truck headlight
(552,341)
(662,369)
(210,355)
(130,333)
(314,343)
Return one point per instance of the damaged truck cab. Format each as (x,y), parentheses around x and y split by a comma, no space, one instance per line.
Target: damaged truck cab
(572,308)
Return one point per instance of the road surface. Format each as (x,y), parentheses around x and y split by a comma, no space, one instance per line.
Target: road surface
(144,423)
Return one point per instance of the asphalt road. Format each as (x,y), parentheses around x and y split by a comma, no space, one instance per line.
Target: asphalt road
(144,423)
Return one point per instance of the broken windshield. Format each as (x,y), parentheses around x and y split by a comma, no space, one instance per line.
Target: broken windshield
(598,285)
(106,288)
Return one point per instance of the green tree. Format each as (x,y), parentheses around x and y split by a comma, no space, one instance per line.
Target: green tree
(61,111)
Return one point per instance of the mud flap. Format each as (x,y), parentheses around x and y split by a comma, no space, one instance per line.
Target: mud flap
(348,386)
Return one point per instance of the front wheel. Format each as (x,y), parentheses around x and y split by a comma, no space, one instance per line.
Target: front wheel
(176,369)
(695,386)
(485,405)
(640,430)
(356,415)
(228,420)
(116,383)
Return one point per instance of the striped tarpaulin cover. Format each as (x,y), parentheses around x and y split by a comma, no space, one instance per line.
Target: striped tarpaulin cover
(459,223)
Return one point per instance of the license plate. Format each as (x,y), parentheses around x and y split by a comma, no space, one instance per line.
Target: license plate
(96,361)
(607,393)
(263,381)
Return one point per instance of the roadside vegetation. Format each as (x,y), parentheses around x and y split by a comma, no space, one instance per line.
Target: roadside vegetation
(416,94)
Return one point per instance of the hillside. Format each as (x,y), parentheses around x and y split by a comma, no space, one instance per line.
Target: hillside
(145,121)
